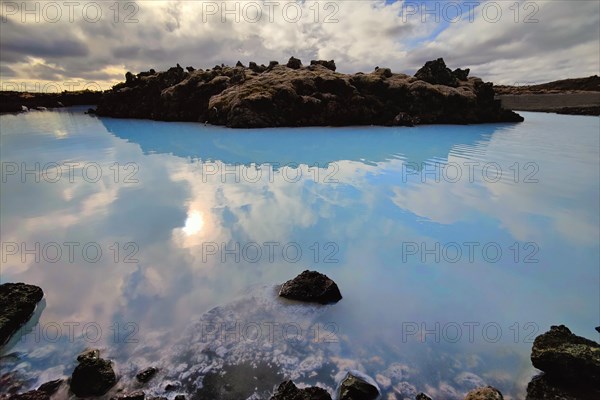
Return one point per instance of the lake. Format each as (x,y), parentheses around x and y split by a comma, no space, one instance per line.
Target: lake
(162,244)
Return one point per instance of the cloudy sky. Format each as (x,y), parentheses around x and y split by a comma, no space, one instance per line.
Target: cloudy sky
(95,43)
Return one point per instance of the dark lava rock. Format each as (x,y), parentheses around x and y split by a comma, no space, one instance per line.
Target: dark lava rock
(355,388)
(277,96)
(93,376)
(311,286)
(51,387)
(254,67)
(422,396)
(566,357)
(146,374)
(294,63)
(598,329)
(10,382)
(462,74)
(89,354)
(404,119)
(129,77)
(17,302)
(180,397)
(327,64)
(239,381)
(542,387)
(436,73)
(137,395)
(31,395)
(484,393)
(288,391)
(169,387)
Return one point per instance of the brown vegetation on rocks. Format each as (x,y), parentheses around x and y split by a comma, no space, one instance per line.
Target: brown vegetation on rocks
(314,95)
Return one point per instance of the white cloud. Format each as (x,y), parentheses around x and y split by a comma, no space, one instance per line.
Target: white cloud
(359,35)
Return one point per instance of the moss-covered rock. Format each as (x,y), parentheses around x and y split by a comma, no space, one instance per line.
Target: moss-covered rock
(315,95)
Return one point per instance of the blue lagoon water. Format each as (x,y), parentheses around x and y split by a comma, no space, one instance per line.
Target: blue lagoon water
(162,244)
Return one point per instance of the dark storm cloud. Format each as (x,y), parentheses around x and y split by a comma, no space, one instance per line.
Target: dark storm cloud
(6,71)
(44,72)
(38,47)
(125,51)
(19,42)
(562,44)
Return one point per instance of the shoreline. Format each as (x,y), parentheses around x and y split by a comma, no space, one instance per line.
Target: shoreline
(569,103)
(19,102)
(570,364)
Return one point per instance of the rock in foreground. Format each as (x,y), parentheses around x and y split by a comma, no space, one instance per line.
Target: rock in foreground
(543,388)
(291,94)
(565,356)
(571,366)
(484,393)
(146,374)
(93,376)
(17,302)
(311,286)
(355,388)
(288,391)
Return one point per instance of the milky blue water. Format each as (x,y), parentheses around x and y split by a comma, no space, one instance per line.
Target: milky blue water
(453,247)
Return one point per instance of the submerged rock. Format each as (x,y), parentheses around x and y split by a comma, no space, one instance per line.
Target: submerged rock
(146,374)
(93,376)
(422,396)
(255,335)
(288,391)
(31,395)
(311,286)
(137,395)
(484,393)
(17,302)
(355,388)
(239,381)
(315,95)
(51,387)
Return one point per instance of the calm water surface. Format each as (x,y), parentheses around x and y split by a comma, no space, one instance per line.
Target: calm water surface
(453,246)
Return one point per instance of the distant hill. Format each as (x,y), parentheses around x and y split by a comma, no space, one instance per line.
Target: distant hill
(11,101)
(589,84)
(568,96)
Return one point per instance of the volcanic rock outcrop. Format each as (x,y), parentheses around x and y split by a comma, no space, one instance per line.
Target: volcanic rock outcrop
(294,95)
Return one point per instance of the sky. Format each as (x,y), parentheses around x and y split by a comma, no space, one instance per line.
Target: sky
(64,45)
